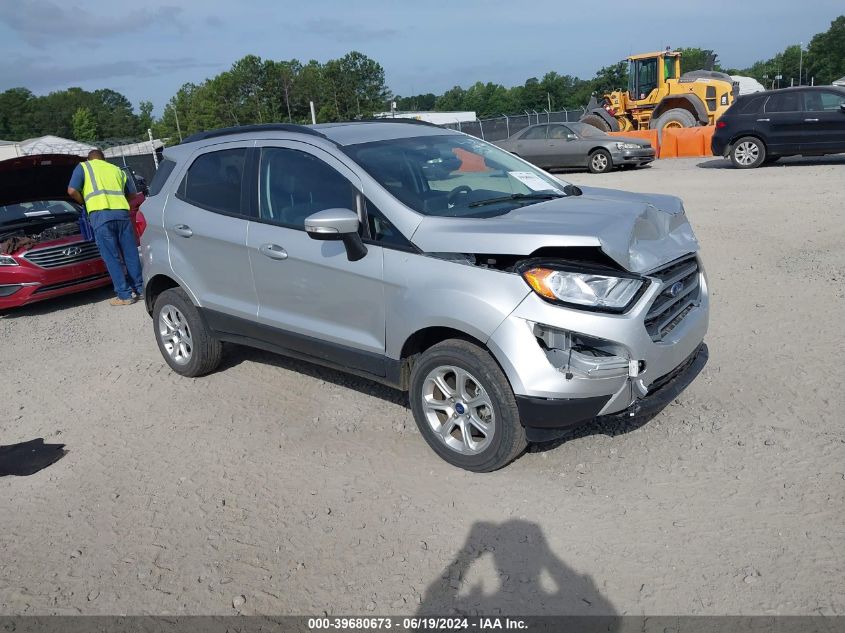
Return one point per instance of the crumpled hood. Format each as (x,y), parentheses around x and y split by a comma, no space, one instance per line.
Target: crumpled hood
(638,231)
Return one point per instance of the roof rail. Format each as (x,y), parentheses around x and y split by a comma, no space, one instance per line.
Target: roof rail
(398,120)
(261,127)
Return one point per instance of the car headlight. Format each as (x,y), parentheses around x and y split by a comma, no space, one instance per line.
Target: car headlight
(627,146)
(8,260)
(583,289)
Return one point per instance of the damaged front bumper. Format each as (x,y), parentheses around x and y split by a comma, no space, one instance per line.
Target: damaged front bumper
(545,418)
(570,366)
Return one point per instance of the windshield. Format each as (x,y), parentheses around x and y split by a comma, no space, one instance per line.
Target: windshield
(41,210)
(454,176)
(586,131)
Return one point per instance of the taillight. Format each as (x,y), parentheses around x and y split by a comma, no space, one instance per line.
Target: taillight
(140,223)
(721,124)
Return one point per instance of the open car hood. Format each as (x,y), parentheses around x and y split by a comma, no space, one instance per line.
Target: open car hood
(40,177)
(639,232)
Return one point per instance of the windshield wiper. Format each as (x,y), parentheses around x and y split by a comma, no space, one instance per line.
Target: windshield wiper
(516,196)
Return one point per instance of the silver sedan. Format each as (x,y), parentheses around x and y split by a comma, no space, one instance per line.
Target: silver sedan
(552,145)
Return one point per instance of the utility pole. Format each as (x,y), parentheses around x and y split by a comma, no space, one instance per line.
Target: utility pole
(549,97)
(800,61)
(313,114)
(178,129)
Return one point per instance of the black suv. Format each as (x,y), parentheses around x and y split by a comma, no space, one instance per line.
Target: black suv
(759,128)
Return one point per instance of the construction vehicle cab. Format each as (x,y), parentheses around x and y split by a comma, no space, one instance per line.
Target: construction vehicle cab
(659,97)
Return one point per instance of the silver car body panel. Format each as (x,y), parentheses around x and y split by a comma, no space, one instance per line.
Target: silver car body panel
(638,231)
(378,303)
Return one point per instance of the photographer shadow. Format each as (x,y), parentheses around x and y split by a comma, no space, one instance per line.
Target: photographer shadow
(529,579)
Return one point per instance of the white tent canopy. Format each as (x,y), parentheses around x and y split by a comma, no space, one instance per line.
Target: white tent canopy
(53,145)
(747,85)
(839,82)
(8,149)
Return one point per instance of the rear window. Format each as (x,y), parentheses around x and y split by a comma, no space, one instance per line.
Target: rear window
(214,181)
(752,105)
(165,168)
(784,102)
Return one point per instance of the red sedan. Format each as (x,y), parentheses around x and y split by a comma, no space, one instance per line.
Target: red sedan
(42,254)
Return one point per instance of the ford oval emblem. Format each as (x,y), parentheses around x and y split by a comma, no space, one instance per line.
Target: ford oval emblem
(676,288)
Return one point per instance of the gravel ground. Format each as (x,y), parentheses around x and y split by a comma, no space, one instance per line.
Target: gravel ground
(274,486)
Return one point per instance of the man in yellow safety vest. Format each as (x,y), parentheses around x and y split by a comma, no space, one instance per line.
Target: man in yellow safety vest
(101,188)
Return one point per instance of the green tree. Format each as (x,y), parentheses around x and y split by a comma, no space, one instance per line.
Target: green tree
(145,118)
(16,112)
(825,56)
(84,126)
(698,59)
(610,78)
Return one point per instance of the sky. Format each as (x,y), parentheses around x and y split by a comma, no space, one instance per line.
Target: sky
(147,50)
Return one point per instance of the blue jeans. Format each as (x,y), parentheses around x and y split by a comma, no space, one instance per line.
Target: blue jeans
(116,241)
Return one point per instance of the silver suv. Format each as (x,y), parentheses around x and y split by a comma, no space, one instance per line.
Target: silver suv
(510,305)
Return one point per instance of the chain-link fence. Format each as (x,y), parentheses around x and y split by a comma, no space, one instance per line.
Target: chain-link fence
(500,128)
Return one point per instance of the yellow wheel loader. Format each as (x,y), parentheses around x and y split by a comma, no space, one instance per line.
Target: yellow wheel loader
(659,97)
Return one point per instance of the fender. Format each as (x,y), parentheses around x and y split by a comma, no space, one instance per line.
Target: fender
(606,116)
(687,102)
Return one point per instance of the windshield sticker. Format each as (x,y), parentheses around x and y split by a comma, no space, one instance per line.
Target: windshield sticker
(532,181)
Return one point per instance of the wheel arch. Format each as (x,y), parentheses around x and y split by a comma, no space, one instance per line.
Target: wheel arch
(158,284)
(425,338)
(753,135)
(691,103)
(606,117)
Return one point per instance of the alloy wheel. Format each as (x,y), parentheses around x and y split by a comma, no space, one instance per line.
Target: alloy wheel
(599,162)
(458,409)
(747,153)
(175,334)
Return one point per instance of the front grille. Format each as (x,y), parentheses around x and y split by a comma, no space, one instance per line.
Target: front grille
(679,294)
(63,255)
(73,282)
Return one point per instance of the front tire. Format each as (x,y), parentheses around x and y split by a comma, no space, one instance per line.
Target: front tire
(182,336)
(600,162)
(596,121)
(674,118)
(464,407)
(748,153)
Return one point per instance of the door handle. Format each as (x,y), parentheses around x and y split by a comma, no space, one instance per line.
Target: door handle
(183,229)
(810,120)
(273,251)
(763,120)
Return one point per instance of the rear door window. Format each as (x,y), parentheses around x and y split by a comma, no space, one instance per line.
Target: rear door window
(215,181)
(784,102)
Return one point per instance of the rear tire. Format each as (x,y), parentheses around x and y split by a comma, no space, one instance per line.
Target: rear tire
(182,336)
(748,152)
(464,407)
(596,121)
(674,118)
(600,162)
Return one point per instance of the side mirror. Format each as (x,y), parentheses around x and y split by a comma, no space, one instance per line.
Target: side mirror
(842,107)
(337,224)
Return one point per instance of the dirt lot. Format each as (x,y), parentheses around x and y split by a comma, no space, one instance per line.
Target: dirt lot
(288,488)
